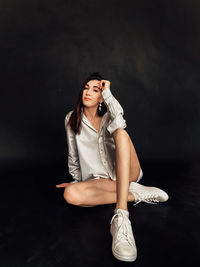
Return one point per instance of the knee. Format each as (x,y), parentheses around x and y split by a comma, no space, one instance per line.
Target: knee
(121,133)
(72,195)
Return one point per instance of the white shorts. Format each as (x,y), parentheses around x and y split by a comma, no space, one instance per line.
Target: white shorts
(96,178)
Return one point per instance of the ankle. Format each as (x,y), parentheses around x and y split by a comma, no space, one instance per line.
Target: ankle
(126,212)
(122,207)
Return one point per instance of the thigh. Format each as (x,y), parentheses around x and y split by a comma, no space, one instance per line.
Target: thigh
(134,163)
(101,183)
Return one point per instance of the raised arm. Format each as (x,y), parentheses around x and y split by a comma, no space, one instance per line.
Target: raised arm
(115,110)
(73,159)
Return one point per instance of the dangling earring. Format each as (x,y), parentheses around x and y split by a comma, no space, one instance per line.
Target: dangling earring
(99,107)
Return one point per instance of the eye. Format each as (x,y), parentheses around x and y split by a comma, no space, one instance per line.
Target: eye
(95,90)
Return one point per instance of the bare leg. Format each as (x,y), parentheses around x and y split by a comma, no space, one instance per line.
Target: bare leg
(92,192)
(104,191)
(108,198)
(123,160)
(135,164)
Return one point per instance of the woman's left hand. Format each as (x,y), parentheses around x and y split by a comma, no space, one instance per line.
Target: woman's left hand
(62,185)
(104,84)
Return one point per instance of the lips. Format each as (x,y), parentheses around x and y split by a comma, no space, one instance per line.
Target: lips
(86,98)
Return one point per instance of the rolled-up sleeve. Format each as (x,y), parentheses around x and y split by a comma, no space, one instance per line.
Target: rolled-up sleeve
(115,110)
(73,158)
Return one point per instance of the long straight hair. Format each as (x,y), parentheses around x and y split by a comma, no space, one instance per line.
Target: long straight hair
(76,116)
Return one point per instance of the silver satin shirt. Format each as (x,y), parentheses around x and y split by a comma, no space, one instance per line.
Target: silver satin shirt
(91,154)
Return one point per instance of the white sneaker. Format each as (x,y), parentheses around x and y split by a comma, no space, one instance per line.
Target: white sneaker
(123,243)
(148,194)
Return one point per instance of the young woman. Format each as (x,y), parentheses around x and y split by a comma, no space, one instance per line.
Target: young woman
(103,162)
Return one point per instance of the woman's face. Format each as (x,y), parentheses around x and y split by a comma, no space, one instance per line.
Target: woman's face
(91,94)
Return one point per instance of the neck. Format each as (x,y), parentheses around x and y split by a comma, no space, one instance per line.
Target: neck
(90,112)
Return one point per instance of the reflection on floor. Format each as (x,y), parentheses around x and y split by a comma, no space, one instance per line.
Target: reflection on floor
(38,228)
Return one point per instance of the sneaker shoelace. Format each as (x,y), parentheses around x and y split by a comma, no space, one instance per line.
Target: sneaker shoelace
(123,229)
(150,198)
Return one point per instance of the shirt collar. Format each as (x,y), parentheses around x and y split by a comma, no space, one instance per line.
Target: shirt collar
(85,119)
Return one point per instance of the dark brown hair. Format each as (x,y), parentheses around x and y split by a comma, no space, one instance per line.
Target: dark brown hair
(76,116)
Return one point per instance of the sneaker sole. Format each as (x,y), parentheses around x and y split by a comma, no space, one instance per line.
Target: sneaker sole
(123,258)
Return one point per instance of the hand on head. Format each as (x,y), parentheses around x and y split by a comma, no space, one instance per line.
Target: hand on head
(104,84)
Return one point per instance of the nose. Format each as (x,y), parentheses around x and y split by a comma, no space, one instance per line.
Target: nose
(88,92)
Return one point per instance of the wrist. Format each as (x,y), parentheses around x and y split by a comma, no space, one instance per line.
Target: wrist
(107,87)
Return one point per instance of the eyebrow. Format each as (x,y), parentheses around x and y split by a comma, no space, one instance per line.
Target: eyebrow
(94,86)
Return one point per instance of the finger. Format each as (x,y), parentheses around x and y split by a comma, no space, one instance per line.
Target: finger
(102,83)
(61,185)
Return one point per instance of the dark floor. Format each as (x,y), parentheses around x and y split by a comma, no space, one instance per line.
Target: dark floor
(38,228)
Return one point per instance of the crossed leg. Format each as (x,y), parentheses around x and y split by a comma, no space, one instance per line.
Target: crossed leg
(90,193)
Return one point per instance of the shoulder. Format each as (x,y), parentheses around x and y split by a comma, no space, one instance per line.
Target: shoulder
(67,117)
